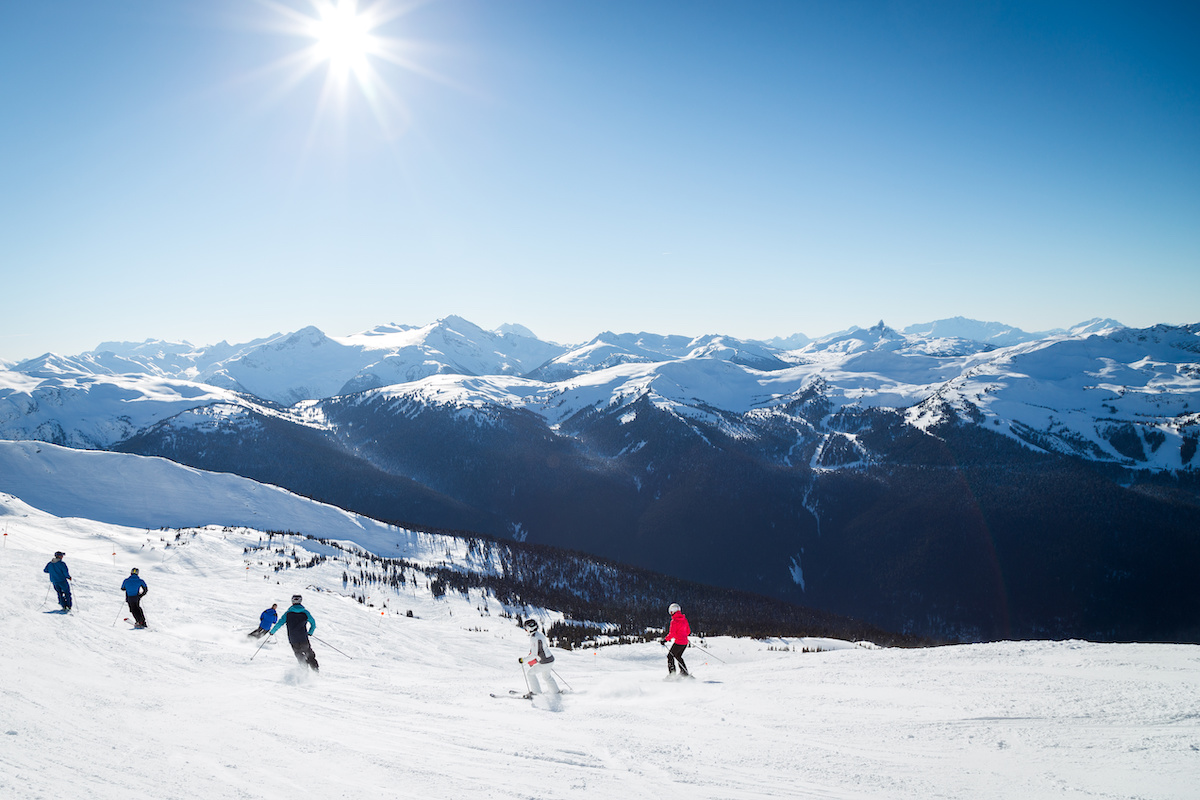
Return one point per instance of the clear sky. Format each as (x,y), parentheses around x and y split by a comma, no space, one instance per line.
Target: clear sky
(219,169)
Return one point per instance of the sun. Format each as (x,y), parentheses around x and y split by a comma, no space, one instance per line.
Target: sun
(343,37)
(353,45)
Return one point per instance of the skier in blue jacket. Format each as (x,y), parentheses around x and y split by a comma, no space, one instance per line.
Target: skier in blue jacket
(265,621)
(135,589)
(59,577)
(300,625)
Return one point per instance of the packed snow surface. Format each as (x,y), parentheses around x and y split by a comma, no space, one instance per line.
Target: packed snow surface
(401,707)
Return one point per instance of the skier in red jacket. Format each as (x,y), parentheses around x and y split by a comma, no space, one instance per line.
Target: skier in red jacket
(677,640)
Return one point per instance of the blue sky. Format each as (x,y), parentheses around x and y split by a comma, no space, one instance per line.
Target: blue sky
(175,170)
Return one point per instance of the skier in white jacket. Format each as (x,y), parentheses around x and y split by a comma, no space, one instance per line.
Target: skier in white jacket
(539,660)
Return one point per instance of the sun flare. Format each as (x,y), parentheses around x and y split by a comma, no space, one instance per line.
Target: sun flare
(351,49)
(343,37)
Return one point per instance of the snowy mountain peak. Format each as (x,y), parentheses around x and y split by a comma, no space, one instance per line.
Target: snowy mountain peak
(993,333)
(726,348)
(150,348)
(515,330)
(385,330)
(310,335)
(878,336)
(793,342)
(52,364)
(1095,326)
(461,326)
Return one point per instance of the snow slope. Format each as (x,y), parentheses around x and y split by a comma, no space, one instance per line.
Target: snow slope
(187,708)
(1072,393)
(93,411)
(145,492)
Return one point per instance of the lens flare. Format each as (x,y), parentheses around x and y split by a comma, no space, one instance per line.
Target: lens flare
(343,37)
(352,48)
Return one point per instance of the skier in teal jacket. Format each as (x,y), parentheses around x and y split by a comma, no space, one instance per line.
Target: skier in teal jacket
(300,625)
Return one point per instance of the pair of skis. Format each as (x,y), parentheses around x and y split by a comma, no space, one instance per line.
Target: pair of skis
(513,694)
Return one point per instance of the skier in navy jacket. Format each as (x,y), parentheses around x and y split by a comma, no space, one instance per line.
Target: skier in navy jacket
(59,577)
(265,621)
(300,625)
(135,589)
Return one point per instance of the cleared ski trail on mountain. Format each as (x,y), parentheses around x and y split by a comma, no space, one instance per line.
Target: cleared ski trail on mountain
(95,709)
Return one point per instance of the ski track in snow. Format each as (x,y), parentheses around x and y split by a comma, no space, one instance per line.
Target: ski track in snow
(94,709)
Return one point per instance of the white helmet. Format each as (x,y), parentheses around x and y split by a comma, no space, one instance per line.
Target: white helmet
(674,607)
(531,625)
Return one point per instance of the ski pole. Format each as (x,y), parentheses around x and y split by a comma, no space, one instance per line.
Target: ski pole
(561,678)
(331,647)
(702,650)
(260,647)
(44,599)
(115,621)
(525,673)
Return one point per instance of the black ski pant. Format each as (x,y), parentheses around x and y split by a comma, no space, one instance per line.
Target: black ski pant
(257,632)
(64,594)
(135,608)
(676,654)
(304,653)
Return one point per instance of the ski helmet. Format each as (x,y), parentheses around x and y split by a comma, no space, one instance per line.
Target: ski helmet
(296,599)
(674,608)
(531,625)
(133,571)
(59,554)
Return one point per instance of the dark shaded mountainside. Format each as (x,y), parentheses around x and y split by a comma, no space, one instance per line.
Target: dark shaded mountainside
(954,532)
(600,600)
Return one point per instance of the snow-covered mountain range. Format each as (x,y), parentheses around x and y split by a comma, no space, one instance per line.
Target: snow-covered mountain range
(833,461)
(1099,390)
(307,364)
